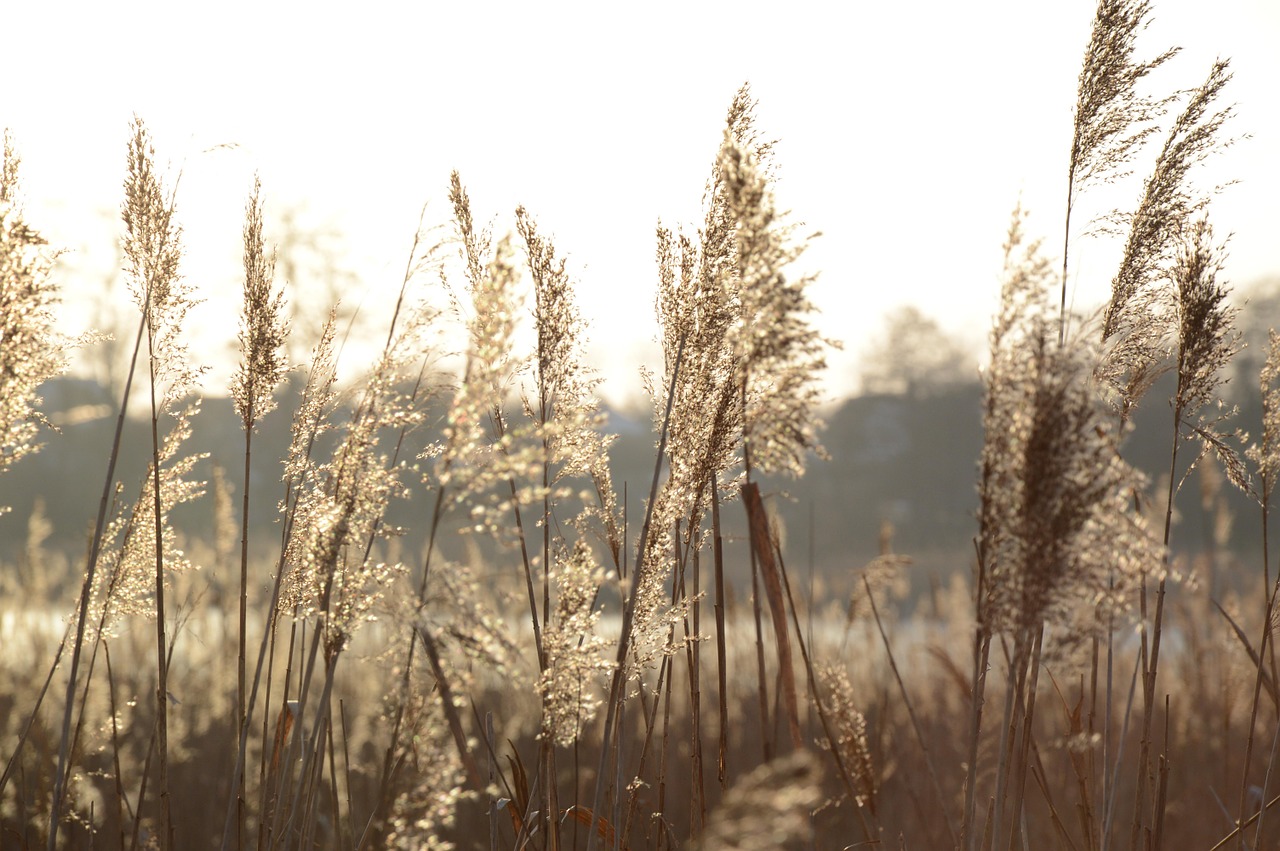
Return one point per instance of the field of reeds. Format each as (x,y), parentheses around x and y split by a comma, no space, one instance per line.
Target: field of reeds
(568,663)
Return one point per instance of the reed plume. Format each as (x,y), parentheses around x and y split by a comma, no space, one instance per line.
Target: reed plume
(263,333)
(738,323)
(263,326)
(566,420)
(1059,542)
(779,354)
(31,352)
(332,575)
(849,735)
(1265,454)
(1113,120)
(477,452)
(571,684)
(1053,523)
(566,409)
(1207,341)
(767,809)
(126,586)
(1136,325)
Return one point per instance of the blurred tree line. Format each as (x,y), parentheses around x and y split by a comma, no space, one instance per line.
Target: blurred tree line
(902,459)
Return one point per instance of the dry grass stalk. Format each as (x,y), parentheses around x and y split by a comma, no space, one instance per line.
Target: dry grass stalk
(722,666)
(263,333)
(334,577)
(1058,538)
(152,252)
(1265,456)
(911,712)
(1205,342)
(567,420)
(1061,547)
(736,325)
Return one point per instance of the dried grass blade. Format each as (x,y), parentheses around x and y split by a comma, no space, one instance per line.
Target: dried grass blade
(583,815)
(1253,655)
(762,543)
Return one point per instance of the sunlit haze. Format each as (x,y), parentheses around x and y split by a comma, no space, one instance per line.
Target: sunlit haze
(907,133)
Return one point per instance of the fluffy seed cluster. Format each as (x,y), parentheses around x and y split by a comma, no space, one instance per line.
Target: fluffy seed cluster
(779,354)
(571,684)
(480,452)
(263,327)
(1056,529)
(1266,454)
(126,574)
(1112,120)
(565,408)
(849,736)
(341,506)
(1207,341)
(741,359)
(152,251)
(30,351)
(1139,320)
(767,809)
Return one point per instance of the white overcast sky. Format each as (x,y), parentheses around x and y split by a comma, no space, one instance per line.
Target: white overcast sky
(907,132)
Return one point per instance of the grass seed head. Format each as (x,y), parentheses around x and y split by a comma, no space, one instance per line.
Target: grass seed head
(263,326)
(31,352)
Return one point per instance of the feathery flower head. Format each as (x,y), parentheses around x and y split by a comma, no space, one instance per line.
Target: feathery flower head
(263,327)
(1056,529)
(1137,325)
(152,251)
(127,582)
(1266,454)
(779,354)
(1207,340)
(31,352)
(1112,120)
(571,686)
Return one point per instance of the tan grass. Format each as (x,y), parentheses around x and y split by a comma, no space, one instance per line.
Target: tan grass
(535,676)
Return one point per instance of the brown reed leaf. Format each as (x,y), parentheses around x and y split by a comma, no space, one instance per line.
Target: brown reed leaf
(763,546)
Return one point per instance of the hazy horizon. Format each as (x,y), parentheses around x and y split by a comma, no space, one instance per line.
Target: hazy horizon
(906,136)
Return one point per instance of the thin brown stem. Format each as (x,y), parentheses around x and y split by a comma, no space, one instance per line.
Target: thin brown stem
(722,667)
(911,713)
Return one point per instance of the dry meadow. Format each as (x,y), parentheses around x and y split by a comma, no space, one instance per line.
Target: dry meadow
(565,663)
